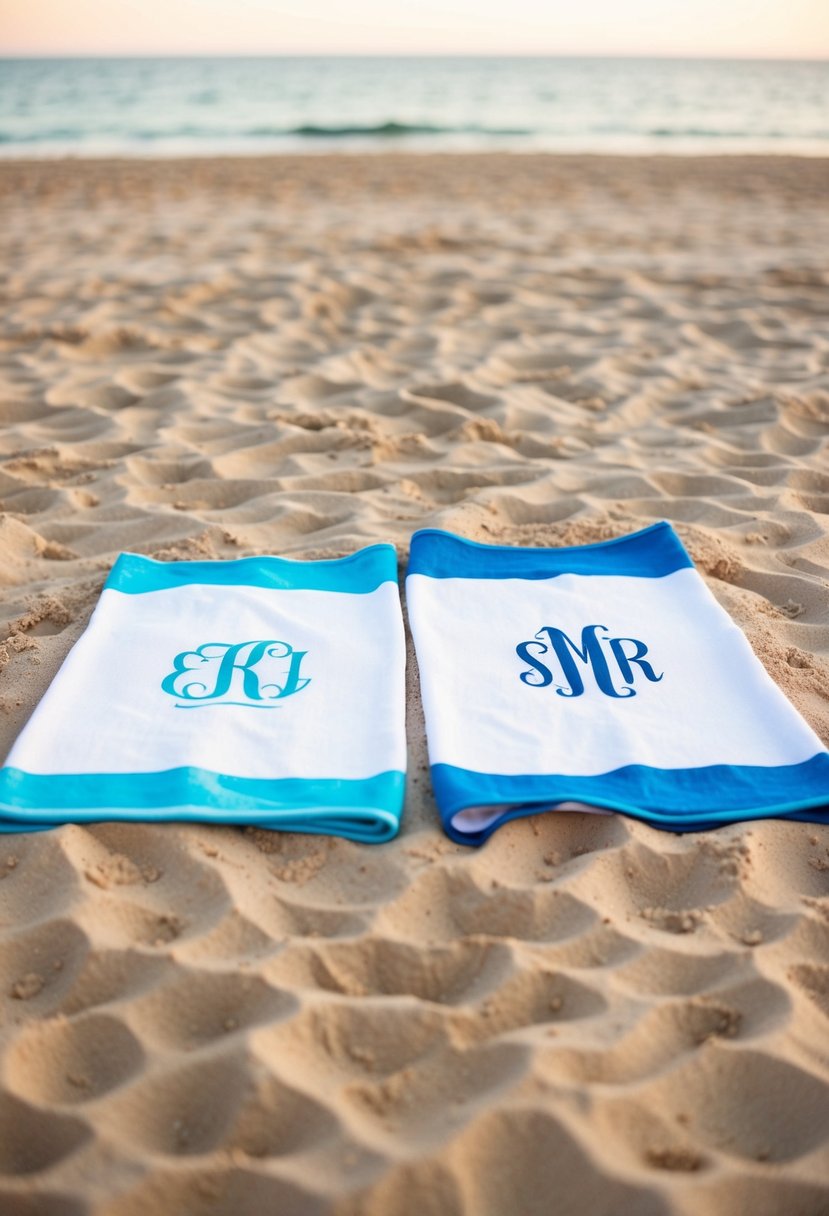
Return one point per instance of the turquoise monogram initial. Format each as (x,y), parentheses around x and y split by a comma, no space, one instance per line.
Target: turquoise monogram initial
(236,673)
(602,655)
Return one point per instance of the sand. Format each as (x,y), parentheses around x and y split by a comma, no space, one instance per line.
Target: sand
(301,356)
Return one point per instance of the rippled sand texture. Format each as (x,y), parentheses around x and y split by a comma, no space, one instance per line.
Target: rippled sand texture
(301,356)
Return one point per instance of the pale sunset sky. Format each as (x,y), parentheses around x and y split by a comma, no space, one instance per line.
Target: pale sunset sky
(745,28)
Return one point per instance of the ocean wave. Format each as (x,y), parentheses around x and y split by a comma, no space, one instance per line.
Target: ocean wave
(724,133)
(388,130)
(55,135)
(311,131)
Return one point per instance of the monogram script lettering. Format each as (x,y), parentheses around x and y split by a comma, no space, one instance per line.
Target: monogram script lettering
(236,673)
(609,659)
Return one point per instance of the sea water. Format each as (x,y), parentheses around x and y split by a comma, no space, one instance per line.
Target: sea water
(197,106)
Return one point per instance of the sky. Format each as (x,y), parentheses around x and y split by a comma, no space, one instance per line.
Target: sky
(744,28)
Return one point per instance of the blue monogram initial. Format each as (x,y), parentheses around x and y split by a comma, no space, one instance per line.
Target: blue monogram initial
(236,673)
(596,653)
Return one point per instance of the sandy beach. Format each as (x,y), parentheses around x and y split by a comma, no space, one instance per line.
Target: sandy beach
(303,355)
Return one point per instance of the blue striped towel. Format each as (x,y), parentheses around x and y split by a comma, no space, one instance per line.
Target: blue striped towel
(598,677)
(259,691)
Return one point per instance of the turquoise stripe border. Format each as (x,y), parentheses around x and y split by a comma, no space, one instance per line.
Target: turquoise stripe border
(366,810)
(679,800)
(651,553)
(358,574)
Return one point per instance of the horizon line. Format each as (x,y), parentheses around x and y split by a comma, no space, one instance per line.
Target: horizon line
(671,56)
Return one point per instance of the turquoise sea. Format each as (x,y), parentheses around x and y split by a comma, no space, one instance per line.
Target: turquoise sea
(184,106)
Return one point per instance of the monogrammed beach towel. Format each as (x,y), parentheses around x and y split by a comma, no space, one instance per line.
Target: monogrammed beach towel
(260,691)
(597,677)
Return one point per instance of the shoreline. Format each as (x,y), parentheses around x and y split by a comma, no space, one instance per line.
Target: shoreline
(332,148)
(401,155)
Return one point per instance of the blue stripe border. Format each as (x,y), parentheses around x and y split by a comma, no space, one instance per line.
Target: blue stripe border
(680,800)
(359,573)
(366,810)
(651,553)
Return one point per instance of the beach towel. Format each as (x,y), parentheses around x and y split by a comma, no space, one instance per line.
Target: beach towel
(597,677)
(260,691)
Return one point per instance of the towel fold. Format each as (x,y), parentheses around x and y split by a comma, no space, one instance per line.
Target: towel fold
(260,691)
(598,677)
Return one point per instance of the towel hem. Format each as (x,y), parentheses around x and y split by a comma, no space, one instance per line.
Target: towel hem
(652,552)
(359,573)
(367,809)
(678,800)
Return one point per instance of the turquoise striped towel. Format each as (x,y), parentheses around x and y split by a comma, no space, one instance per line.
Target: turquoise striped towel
(598,677)
(259,691)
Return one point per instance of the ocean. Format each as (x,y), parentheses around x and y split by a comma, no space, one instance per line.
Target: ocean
(198,106)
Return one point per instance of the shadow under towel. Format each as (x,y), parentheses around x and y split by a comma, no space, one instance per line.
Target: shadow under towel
(260,691)
(599,677)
